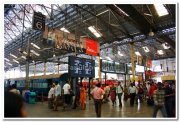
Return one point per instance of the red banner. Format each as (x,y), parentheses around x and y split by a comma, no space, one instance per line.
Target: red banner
(149,63)
(91,47)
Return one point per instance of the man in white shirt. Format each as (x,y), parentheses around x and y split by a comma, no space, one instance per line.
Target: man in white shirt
(66,89)
(51,95)
(132,91)
(57,95)
(119,91)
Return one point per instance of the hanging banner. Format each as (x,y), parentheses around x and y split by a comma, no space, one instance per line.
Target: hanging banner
(91,47)
(68,42)
(149,62)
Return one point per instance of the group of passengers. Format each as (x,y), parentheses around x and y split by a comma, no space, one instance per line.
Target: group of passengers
(66,97)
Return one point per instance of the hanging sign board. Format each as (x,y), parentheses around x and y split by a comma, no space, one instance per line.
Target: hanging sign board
(38,21)
(91,47)
(67,41)
(81,67)
(112,67)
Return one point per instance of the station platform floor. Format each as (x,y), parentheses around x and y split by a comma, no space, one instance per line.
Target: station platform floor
(140,110)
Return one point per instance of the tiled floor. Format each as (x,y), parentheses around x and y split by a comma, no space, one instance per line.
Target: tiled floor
(140,110)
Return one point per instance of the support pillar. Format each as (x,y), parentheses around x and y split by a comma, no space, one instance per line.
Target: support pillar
(89,88)
(44,68)
(132,60)
(105,79)
(27,66)
(99,71)
(58,68)
(35,69)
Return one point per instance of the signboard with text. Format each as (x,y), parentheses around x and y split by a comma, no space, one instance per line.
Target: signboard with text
(81,67)
(38,22)
(112,67)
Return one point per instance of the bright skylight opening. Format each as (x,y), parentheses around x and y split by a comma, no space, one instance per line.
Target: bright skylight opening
(161,10)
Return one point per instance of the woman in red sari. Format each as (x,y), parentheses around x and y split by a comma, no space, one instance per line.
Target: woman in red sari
(82,97)
(113,94)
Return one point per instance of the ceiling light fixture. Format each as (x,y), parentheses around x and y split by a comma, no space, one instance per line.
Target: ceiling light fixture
(119,53)
(16,61)
(32,51)
(9,63)
(160,52)
(6,59)
(24,53)
(94,31)
(64,29)
(165,45)
(34,45)
(23,57)
(13,55)
(160,9)
(146,49)
(137,53)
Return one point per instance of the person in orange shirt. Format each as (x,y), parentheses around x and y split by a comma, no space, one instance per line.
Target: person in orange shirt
(82,97)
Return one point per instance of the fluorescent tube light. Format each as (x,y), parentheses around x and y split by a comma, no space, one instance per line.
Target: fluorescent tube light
(32,51)
(23,57)
(94,31)
(6,59)
(165,45)
(64,29)
(160,52)
(9,63)
(13,55)
(34,45)
(160,9)
(146,49)
(16,61)
(119,53)
(137,53)
(24,53)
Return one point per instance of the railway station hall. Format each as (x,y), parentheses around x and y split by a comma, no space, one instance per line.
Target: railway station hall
(91,61)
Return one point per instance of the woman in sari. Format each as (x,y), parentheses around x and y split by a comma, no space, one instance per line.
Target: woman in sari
(82,97)
(113,95)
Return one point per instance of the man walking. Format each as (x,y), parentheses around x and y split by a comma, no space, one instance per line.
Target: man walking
(97,93)
(159,100)
(119,91)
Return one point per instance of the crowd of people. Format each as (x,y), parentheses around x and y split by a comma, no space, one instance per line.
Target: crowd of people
(159,95)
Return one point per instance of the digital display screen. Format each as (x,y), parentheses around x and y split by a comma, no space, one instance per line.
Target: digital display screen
(107,66)
(112,67)
(81,67)
(119,67)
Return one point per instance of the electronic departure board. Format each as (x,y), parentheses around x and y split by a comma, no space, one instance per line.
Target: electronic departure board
(119,67)
(81,67)
(112,67)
